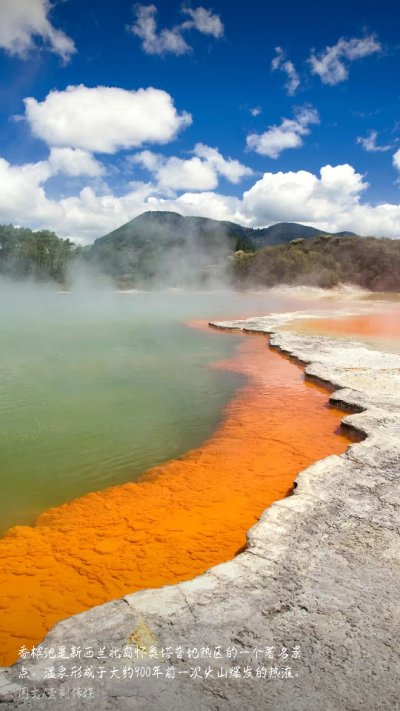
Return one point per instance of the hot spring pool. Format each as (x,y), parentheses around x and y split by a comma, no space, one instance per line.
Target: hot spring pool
(96,388)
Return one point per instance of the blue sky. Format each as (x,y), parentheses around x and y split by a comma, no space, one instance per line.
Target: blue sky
(253,112)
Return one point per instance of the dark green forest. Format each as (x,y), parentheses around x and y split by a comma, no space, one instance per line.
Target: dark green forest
(41,255)
(144,252)
(369,262)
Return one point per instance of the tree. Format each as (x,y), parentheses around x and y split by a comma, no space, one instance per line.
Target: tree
(40,255)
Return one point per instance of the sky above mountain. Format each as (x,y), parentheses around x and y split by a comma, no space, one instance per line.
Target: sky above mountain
(251,112)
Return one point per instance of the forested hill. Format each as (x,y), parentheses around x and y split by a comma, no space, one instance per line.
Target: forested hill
(139,247)
(159,249)
(142,246)
(38,255)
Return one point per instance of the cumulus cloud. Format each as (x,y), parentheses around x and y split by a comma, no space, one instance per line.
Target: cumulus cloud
(369,143)
(230,168)
(256,111)
(197,173)
(23,201)
(75,162)
(23,20)
(105,119)
(288,67)
(205,204)
(22,197)
(171,41)
(331,65)
(288,135)
(176,174)
(302,196)
(396,159)
(329,201)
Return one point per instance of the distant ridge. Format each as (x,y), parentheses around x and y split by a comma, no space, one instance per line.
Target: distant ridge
(284,232)
(160,223)
(141,245)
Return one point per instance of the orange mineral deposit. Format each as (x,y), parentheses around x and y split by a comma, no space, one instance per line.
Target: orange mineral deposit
(383,325)
(180,518)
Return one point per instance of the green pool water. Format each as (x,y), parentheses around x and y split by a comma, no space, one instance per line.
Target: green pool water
(96,388)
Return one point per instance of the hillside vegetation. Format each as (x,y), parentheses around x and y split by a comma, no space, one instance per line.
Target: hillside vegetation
(322,261)
(158,248)
(165,247)
(38,255)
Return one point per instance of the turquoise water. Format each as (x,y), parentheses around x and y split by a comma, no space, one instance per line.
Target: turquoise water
(96,388)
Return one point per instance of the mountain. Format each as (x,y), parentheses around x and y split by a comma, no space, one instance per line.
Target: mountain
(285,232)
(152,233)
(165,245)
(166,248)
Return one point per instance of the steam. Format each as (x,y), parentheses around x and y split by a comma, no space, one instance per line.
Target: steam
(27,303)
(162,250)
(81,278)
(191,265)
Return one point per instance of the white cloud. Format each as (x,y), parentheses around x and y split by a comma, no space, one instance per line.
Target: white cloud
(176,174)
(23,20)
(88,215)
(288,67)
(105,119)
(280,56)
(330,201)
(288,135)
(256,111)
(23,199)
(172,41)
(396,159)
(166,42)
(206,204)
(75,162)
(302,197)
(230,168)
(369,143)
(204,21)
(192,174)
(22,196)
(197,173)
(329,64)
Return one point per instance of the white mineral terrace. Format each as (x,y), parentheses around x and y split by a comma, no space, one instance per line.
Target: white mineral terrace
(321,572)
